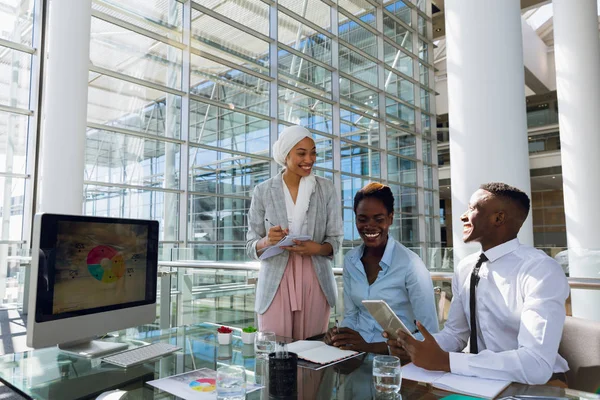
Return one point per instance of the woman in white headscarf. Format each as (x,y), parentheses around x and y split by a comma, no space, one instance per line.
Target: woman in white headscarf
(296,288)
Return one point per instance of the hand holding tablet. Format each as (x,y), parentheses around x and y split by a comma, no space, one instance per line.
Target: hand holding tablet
(385,316)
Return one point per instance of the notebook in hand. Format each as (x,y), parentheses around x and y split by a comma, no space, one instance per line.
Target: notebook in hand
(319,352)
(469,385)
(286,241)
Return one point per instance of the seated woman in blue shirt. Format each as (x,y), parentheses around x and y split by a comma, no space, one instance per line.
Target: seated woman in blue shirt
(381,269)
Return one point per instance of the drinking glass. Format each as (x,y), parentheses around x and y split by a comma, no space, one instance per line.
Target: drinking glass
(387,374)
(264,343)
(231,383)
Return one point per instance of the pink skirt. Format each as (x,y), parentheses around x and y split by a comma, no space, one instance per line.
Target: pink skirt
(299,309)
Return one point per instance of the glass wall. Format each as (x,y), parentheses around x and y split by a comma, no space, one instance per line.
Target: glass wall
(19,66)
(186,98)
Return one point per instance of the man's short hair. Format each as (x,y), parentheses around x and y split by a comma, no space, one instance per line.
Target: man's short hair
(377,191)
(517,196)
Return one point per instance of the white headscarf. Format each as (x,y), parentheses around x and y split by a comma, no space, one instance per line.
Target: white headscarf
(289,138)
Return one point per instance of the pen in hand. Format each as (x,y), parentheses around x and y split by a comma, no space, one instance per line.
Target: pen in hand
(272,224)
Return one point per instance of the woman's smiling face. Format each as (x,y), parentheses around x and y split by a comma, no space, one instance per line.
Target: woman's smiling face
(373,222)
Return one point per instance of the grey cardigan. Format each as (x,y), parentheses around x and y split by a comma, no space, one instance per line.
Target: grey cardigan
(268,203)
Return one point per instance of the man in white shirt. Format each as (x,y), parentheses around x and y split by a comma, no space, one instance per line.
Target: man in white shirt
(519,301)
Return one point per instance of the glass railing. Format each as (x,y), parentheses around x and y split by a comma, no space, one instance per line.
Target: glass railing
(192,291)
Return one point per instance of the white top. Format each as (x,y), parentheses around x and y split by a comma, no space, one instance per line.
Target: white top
(520,316)
(289,208)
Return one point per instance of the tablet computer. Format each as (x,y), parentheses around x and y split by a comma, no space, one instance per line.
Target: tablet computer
(386,317)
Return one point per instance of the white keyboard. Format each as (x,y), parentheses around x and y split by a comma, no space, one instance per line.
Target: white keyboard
(140,355)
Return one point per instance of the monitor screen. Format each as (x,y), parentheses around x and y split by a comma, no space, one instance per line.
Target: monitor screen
(92,264)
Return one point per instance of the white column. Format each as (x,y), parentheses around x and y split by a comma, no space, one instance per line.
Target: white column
(486,104)
(577,54)
(65,107)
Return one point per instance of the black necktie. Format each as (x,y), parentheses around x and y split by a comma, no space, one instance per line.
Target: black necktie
(474,282)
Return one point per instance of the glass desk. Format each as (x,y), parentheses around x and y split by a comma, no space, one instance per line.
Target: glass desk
(51,374)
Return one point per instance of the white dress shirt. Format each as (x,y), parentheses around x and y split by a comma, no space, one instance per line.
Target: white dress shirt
(520,316)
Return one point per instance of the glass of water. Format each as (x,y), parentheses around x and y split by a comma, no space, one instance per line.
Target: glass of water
(231,383)
(264,343)
(387,375)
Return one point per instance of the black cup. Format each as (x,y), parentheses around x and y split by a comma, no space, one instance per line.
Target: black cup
(283,376)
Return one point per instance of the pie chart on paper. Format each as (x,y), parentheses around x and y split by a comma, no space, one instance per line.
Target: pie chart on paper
(105,264)
(204,385)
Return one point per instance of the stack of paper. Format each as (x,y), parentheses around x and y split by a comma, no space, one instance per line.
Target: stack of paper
(480,387)
(286,241)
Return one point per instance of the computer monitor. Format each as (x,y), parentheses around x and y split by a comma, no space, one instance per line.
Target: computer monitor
(90,276)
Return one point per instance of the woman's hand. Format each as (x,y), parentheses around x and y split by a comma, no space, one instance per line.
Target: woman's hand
(329,335)
(305,248)
(275,234)
(349,339)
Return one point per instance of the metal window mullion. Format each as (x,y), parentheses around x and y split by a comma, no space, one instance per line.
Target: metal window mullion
(133,187)
(273,84)
(311,130)
(14,175)
(228,151)
(135,16)
(381,84)
(305,92)
(228,63)
(17,46)
(359,144)
(184,153)
(137,81)
(35,101)
(16,110)
(304,21)
(419,145)
(228,196)
(381,92)
(220,104)
(229,21)
(402,156)
(359,82)
(400,101)
(360,109)
(402,75)
(124,131)
(386,13)
(362,53)
(374,3)
(359,112)
(136,29)
(356,20)
(305,56)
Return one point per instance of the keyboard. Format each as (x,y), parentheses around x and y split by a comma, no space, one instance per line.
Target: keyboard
(140,355)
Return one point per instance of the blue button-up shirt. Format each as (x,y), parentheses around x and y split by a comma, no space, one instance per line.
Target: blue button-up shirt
(403,282)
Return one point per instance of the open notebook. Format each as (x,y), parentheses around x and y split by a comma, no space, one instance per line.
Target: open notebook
(318,352)
(469,385)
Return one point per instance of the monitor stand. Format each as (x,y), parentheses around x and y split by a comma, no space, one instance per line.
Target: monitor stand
(91,348)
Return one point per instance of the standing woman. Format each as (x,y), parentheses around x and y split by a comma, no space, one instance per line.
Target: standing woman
(296,288)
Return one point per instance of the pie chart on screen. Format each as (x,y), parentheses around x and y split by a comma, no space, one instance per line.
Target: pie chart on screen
(105,264)
(204,385)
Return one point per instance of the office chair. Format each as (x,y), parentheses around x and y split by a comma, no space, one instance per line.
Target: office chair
(580,346)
